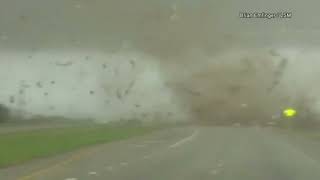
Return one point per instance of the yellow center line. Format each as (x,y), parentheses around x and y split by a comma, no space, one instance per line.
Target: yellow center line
(39,172)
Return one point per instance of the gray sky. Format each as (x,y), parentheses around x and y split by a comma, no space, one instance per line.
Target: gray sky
(176,41)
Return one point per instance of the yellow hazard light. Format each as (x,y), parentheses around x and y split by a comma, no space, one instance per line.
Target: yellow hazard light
(289,112)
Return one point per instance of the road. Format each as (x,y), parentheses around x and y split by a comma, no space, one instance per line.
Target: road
(204,153)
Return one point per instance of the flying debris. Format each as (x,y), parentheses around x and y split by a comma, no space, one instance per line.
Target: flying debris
(25,86)
(133,63)
(39,84)
(190,91)
(278,74)
(11,99)
(248,65)
(127,91)
(184,89)
(234,89)
(144,115)
(282,66)
(119,95)
(21,91)
(23,18)
(69,63)
(273,52)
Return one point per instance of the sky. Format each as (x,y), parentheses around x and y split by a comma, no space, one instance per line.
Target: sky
(114,58)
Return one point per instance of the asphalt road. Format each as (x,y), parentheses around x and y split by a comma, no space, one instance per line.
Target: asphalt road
(184,154)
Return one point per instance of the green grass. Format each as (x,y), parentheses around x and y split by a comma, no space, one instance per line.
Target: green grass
(20,147)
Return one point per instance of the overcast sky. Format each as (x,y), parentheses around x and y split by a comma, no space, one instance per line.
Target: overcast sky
(175,41)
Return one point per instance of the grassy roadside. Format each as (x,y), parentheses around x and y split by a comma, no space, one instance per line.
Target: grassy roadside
(19,147)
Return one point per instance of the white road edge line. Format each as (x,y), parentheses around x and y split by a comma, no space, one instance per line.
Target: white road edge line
(153,141)
(109,168)
(124,164)
(214,172)
(184,140)
(138,145)
(146,157)
(92,173)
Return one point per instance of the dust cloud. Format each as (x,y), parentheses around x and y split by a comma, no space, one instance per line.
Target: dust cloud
(200,56)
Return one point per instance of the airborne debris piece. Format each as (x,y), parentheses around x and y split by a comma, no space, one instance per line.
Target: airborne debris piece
(119,95)
(278,74)
(25,85)
(69,63)
(273,52)
(104,66)
(137,105)
(234,89)
(11,99)
(127,91)
(23,18)
(132,62)
(46,94)
(248,65)
(91,92)
(39,84)
(181,87)
(195,93)
(189,91)
(52,82)
(21,91)
(281,67)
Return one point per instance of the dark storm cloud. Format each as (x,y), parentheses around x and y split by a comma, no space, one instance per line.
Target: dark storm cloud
(162,28)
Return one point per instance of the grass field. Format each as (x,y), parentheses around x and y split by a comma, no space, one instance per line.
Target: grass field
(18,147)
